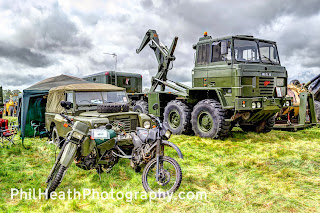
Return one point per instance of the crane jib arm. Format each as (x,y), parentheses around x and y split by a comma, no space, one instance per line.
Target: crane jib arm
(163,54)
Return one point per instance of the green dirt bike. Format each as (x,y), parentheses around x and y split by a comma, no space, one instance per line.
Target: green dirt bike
(98,149)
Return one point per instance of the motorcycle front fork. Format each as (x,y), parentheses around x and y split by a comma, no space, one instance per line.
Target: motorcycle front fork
(159,153)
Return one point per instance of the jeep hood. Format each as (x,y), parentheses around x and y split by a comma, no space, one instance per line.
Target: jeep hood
(105,115)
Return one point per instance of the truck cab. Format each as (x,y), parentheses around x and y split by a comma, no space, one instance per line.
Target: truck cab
(245,73)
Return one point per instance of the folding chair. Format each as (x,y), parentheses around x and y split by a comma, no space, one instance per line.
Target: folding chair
(7,133)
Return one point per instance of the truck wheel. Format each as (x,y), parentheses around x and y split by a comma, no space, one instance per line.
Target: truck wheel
(112,108)
(260,127)
(317,106)
(208,119)
(11,110)
(269,124)
(141,107)
(177,117)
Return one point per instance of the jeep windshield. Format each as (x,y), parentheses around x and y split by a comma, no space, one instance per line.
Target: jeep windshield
(251,51)
(94,98)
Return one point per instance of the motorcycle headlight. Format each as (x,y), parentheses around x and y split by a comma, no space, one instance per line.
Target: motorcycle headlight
(254,105)
(146,124)
(168,134)
(77,135)
(287,103)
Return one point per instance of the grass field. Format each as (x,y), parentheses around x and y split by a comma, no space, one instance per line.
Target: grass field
(248,172)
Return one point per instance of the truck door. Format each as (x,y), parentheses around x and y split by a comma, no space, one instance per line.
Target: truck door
(199,73)
(219,68)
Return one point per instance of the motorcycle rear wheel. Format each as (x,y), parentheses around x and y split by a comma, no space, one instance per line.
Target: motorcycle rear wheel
(169,170)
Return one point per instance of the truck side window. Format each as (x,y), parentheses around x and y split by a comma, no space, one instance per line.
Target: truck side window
(203,54)
(216,52)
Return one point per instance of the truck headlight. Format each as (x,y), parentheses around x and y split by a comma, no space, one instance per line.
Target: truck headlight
(254,105)
(287,103)
(280,82)
(258,104)
(146,124)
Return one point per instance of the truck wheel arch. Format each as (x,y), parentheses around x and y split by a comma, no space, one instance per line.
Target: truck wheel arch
(211,93)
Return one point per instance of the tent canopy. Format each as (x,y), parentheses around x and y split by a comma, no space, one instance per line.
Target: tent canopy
(34,100)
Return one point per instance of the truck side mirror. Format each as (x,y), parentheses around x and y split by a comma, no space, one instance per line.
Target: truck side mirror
(224,48)
(108,126)
(66,104)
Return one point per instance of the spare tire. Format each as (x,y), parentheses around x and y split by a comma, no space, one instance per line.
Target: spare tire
(112,108)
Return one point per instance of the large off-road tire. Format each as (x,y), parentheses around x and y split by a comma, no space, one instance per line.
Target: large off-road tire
(177,117)
(141,107)
(56,179)
(112,108)
(149,181)
(208,119)
(317,107)
(260,127)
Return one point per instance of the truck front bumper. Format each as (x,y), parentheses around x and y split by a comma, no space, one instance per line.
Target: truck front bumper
(261,108)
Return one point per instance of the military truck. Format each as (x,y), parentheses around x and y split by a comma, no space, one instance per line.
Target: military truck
(236,80)
(132,82)
(96,105)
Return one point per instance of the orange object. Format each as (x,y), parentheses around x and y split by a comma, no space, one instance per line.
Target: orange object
(205,33)
(65,125)
(205,85)
(154,126)
(243,102)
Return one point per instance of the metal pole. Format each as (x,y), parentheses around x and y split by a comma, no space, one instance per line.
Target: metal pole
(115,72)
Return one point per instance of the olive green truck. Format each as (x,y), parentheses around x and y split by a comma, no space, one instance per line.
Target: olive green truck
(236,80)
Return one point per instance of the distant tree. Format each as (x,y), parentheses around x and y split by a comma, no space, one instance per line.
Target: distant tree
(8,92)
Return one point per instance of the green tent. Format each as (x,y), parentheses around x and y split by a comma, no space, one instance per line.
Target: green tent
(34,101)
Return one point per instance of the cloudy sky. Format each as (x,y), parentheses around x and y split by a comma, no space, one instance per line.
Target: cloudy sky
(41,39)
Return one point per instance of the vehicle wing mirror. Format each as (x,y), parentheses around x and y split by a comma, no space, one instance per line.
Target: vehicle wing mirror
(155,106)
(66,104)
(224,48)
(108,126)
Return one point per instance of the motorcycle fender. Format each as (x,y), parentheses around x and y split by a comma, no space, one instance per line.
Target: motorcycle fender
(172,145)
(68,154)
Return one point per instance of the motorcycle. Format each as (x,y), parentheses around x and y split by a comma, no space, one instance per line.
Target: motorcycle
(98,149)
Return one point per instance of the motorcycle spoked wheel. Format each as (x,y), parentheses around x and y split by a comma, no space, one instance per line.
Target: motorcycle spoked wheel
(170,176)
(56,179)
(57,175)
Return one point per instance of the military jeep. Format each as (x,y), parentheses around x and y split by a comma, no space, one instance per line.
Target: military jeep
(94,104)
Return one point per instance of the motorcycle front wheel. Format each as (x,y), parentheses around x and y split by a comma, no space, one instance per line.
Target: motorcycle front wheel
(56,179)
(170,176)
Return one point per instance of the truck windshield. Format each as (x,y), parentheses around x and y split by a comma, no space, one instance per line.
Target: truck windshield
(268,53)
(250,51)
(94,98)
(246,51)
